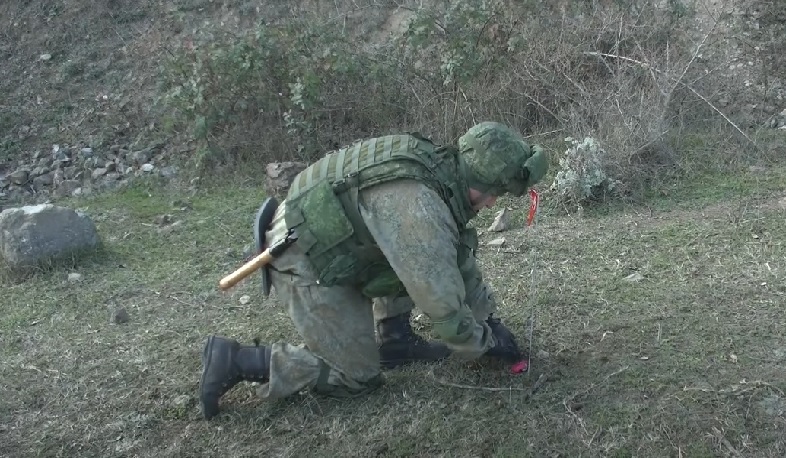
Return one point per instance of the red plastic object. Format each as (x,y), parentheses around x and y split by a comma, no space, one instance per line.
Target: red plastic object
(519,367)
(533,208)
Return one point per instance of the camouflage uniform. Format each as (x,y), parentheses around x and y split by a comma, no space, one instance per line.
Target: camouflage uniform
(401,241)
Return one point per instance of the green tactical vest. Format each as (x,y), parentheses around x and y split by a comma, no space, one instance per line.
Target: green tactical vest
(322,206)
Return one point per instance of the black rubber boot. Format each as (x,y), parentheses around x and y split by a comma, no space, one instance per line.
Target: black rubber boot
(400,345)
(225,363)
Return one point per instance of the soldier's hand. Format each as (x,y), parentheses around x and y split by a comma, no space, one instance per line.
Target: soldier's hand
(505,346)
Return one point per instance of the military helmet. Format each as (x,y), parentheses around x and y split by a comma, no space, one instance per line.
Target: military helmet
(498,160)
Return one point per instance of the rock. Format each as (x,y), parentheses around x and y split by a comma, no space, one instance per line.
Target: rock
(163,230)
(34,234)
(163,220)
(45,162)
(245,299)
(98,173)
(67,187)
(43,181)
(279,176)
(19,177)
(86,152)
(147,167)
(118,315)
(496,242)
(69,173)
(757,169)
(634,277)
(110,166)
(38,171)
(140,157)
(501,221)
(74,277)
(168,172)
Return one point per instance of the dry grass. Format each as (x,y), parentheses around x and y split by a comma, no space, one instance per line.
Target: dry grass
(685,362)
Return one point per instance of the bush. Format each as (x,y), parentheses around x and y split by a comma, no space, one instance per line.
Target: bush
(629,76)
(581,178)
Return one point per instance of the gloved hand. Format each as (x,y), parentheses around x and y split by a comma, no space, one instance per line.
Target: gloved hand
(506,348)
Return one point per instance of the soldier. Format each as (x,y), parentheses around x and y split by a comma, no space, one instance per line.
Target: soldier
(380,227)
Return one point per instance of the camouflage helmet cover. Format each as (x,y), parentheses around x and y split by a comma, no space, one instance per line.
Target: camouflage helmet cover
(499,161)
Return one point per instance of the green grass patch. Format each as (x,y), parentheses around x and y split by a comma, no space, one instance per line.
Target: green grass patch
(685,359)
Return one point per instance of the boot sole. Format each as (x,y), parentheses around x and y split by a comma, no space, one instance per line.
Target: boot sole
(207,354)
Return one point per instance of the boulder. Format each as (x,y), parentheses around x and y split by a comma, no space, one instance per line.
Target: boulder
(279,176)
(35,234)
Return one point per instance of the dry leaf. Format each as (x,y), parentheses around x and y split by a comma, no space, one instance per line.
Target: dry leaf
(635,276)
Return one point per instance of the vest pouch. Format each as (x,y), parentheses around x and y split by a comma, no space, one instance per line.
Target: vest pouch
(384,283)
(322,225)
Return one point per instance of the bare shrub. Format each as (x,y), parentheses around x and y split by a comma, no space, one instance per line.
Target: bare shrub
(633,76)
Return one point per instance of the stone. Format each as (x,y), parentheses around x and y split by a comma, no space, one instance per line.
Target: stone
(43,181)
(279,176)
(147,168)
(98,173)
(140,157)
(67,187)
(496,242)
(34,234)
(19,177)
(168,172)
(118,315)
(501,221)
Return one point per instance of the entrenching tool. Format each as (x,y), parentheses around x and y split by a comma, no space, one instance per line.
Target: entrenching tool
(261,223)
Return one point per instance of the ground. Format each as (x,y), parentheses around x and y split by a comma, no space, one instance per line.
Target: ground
(658,330)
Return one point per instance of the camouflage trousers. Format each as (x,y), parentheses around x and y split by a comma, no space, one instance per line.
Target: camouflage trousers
(339,355)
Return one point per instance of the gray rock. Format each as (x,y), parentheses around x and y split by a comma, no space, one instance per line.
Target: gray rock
(67,187)
(42,181)
(37,171)
(19,177)
(69,173)
(98,173)
(118,315)
(86,152)
(140,157)
(168,172)
(147,167)
(34,234)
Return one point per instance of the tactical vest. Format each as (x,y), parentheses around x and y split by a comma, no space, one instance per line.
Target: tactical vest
(322,206)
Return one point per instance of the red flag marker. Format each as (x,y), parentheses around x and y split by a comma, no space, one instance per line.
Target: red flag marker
(519,367)
(533,208)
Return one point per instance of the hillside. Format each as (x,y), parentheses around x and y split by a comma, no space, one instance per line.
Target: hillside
(85,74)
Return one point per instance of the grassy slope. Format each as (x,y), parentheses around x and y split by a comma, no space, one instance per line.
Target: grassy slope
(686,362)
